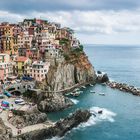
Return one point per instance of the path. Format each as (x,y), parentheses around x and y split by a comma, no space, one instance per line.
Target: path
(36,127)
(70,88)
(4,116)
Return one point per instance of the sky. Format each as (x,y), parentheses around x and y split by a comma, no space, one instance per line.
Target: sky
(94,21)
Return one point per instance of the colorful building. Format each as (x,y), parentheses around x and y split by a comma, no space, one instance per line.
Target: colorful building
(38,70)
(8,43)
(6,70)
(22,65)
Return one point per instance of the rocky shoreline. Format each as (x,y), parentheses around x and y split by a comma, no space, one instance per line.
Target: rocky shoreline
(59,128)
(124,87)
(104,79)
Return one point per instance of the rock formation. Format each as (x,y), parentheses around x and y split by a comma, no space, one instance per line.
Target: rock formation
(55,103)
(102,77)
(77,70)
(60,128)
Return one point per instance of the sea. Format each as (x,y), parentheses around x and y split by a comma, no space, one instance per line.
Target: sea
(121,111)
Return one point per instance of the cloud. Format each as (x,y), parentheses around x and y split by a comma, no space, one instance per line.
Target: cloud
(27,6)
(93,22)
(86,22)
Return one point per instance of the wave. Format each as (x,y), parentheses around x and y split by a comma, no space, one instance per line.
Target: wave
(55,138)
(74,101)
(106,115)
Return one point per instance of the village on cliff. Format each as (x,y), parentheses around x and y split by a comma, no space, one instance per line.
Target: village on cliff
(28,51)
(29,47)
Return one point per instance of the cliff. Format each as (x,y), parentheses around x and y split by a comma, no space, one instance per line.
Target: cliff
(76,69)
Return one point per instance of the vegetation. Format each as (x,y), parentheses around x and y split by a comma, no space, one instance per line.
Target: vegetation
(81,47)
(78,50)
(64,41)
(66,56)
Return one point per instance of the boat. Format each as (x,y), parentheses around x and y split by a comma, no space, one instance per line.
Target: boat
(5,104)
(103,94)
(77,89)
(1,96)
(19,101)
(22,103)
(67,94)
(7,94)
(91,91)
(75,94)
(83,87)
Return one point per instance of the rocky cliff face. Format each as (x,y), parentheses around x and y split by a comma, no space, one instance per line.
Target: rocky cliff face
(77,70)
(55,103)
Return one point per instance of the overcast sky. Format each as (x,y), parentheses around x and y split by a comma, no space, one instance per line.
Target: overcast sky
(94,21)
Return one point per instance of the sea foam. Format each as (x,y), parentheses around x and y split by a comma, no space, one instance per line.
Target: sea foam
(55,138)
(74,101)
(106,115)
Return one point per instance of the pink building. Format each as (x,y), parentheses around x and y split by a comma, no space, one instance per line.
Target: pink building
(6,70)
(38,70)
(2,74)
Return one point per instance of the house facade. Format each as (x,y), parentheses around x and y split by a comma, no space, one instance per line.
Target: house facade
(38,70)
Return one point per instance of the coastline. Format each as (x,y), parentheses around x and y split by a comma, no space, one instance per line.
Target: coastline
(39,126)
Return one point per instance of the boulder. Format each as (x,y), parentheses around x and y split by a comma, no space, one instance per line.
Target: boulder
(55,103)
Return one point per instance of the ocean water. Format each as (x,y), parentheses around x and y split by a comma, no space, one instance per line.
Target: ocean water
(121,111)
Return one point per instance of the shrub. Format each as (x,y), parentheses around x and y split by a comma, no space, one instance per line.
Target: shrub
(66,56)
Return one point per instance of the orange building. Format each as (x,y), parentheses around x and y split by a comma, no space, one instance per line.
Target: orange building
(8,40)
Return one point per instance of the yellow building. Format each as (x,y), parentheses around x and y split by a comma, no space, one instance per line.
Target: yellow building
(22,65)
(8,40)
